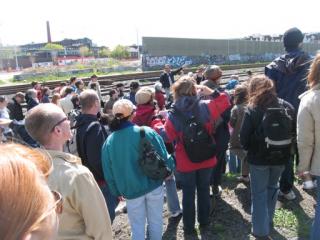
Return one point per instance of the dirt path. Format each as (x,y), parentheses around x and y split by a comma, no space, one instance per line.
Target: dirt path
(231,219)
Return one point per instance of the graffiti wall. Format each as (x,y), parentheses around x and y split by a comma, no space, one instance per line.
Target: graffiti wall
(157,62)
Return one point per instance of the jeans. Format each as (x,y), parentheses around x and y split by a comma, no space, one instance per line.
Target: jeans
(264,194)
(111,201)
(172,195)
(242,157)
(315,231)
(190,181)
(147,207)
(287,177)
(216,176)
(234,162)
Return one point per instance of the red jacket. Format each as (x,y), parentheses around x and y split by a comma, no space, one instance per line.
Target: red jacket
(159,96)
(209,112)
(144,114)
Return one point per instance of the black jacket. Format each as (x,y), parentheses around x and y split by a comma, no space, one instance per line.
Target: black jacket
(90,137)
(164,78)
(251,140)
(15,110)
(31,103)
(289,73)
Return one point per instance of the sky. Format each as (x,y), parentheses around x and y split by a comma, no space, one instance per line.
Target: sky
(112,22)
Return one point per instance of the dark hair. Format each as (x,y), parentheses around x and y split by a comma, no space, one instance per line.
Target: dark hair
(68,90)
(78,83)
(93,86)
(72,79)
(118,85)
(111,92)
(117,121)
(240,94)
(44,90)
(134,85)
(93,76)
(105,119)
(75,101)
(2,99)
(34,83)
(62,84)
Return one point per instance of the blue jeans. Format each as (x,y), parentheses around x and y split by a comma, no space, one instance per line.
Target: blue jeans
(172,195)
(315,231)
(234,163)
(264,194)
(287,176)
(147,207)
(190,181)
(111,201)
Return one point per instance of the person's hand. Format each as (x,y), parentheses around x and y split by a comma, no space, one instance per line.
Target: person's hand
(204,90)
(300,174)
(169,177)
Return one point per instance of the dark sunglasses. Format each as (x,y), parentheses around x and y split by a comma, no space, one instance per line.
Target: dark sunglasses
(58,123)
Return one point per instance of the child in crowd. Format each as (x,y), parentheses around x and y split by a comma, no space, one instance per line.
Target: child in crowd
(237,153)
(159,96)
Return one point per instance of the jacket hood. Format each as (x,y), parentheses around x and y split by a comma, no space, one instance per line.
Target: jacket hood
(186,103)
(144,114)
(291,62)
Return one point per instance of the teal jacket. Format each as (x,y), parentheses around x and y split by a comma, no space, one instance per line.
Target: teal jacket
(121,169)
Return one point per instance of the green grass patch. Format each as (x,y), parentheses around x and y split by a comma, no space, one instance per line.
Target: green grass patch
(293,220)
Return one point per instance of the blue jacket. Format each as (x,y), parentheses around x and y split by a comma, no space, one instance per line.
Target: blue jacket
(289,72)
(120,154)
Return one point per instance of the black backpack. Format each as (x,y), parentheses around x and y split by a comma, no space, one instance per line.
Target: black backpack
(198,143)
(150,162)
(276,132)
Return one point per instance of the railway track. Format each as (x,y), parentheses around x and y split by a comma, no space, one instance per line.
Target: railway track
(145,79)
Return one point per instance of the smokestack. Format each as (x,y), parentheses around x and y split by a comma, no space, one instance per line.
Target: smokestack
(48,32)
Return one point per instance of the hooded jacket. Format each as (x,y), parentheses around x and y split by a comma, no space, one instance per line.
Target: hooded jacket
(208,112)
(144,114)
(90,137)
(289,74)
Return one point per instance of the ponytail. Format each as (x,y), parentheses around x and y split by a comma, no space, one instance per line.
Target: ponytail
(117,121)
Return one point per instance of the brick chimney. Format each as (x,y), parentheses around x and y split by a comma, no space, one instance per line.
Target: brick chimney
(48,32)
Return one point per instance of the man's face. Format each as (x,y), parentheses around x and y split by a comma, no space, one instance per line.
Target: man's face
(94,79)
(115,95)
(63,127)
(167,69)
(19,100)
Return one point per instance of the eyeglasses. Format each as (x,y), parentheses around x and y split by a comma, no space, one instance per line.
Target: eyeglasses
(58,204)
(58,123)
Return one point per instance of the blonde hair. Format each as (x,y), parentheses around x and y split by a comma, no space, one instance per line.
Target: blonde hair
(314,73)
(185,86)
(55,98)
(25,197)
(41,119)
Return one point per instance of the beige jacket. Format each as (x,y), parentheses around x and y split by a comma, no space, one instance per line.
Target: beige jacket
(85,215)
(308,130)
(66,104)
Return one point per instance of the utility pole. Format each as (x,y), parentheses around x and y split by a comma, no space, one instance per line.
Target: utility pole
(138,43)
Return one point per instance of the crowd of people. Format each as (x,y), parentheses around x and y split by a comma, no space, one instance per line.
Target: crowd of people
(82,155)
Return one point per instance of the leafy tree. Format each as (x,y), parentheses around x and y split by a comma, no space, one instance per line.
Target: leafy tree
(85,51)
(104,52)
(120,52)
(53,47)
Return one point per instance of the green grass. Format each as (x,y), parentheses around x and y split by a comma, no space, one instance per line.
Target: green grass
(66,78)
(294,221)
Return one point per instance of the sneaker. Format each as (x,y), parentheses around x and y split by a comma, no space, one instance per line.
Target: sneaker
(289,196)
(216,190)
(244,179)
(176,214)
(307,185)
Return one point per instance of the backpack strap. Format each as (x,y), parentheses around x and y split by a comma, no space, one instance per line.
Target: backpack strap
(142,132)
